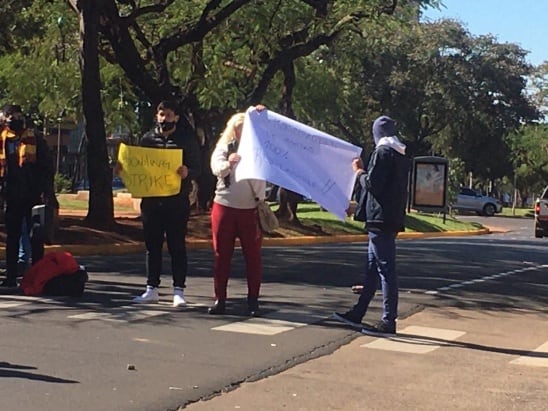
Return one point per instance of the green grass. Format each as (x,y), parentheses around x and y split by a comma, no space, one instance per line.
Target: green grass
(418,222)
(312,214)
(70,204)
(517,212)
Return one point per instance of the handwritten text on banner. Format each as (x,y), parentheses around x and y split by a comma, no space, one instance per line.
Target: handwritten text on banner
(150,172)
(297,157)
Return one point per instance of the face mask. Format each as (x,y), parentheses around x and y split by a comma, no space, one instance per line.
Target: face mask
(16,125)
(166,126)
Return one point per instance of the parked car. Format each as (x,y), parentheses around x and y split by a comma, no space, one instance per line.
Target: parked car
(541,215)
(471,200)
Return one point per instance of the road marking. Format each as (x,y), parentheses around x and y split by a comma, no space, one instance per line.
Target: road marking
(130,314)
(25,298)
(534,361)
(10,301)
(260,326)
(415,340)
(119,314)
(8,304)
(485,278)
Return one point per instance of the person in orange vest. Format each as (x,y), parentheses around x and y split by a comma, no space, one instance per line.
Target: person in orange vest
(25,170)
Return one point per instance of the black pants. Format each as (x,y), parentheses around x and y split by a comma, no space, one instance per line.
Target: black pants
(165,219)
(16,212)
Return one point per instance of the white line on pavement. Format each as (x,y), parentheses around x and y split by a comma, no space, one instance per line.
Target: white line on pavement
(485,278)
(532,360)
(415,340)
(260,326)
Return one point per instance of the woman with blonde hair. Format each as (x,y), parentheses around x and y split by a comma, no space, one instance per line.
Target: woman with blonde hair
(234,214)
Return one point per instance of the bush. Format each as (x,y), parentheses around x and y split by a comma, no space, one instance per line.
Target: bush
(62,184)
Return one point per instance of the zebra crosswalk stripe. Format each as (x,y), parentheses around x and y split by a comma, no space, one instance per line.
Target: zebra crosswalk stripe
(11,304)
(415,340)
(260,326)
(121,315)
(533,360)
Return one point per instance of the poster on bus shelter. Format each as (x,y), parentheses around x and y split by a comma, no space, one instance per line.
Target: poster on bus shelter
(430,176)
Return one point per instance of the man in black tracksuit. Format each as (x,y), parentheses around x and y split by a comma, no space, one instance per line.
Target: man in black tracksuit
(168,216)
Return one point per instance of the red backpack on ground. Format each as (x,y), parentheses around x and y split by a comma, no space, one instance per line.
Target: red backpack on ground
(52,265)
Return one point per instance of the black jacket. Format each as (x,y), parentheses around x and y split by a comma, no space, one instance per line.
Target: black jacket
(27,183)
(182,138)
(382,195)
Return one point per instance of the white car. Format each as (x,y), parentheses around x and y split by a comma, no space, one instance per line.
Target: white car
(541,215)
(471,200)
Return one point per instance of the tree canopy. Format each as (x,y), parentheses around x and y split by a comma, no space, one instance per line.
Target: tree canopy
(335,65)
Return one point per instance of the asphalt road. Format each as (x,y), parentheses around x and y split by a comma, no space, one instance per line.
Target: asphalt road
(101,352)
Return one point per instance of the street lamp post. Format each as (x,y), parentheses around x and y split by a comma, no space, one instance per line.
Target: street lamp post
(59,118)
(58,145)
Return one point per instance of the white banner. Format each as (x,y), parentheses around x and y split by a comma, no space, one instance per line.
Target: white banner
(297,157)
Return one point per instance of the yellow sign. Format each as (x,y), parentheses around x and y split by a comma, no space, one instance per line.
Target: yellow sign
(150,172)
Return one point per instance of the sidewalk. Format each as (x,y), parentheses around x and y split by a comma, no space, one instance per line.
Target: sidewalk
(442,358)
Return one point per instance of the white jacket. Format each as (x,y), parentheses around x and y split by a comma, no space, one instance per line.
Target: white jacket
(237,194)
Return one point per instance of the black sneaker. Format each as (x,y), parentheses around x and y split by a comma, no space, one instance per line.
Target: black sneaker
(218,308)
(382,329)
(253,309)
(349,318)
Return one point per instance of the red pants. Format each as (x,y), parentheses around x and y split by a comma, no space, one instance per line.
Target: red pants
(227,223)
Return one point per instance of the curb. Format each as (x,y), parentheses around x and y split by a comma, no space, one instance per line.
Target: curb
(194,244)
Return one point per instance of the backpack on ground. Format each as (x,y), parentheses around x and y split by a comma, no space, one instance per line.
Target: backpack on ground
(70,285)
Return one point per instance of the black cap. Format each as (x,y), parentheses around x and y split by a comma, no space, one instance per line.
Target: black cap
(10,109)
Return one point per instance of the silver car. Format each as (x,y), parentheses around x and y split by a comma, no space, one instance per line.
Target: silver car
(471,200)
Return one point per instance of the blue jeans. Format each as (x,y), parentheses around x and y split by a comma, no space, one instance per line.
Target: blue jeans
(381,264)
(24,244)
(16,214)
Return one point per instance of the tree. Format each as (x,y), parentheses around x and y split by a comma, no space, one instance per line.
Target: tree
(452,94)
(213,56)
(164,48)
(529,146)
(539,88)
(101,206)
(16,23)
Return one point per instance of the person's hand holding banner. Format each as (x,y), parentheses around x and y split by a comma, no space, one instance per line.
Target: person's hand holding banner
(150,172)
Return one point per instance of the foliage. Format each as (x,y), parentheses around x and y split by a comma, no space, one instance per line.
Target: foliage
(453,94)
(62,184)
(530,157)
(456,179)
(17,23)
(538,88)
(333,65)
(44,75)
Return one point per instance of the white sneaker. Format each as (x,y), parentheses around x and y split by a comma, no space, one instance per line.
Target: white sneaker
(149,296)
(178,298)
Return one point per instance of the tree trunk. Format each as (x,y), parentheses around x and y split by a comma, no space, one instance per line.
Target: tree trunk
(289,200)
(101,207)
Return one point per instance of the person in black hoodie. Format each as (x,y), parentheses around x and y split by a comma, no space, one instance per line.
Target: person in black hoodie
(168,216)
(25,170)
(381,205)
